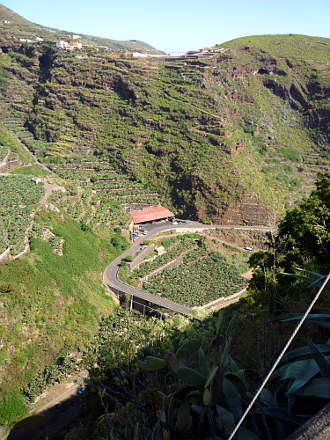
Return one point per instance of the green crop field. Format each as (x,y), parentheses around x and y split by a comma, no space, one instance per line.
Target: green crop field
(174,250)
(197,282)
(19,196)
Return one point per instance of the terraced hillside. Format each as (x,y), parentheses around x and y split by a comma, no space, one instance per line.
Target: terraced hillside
(233,137)
(52,297)
(19,196)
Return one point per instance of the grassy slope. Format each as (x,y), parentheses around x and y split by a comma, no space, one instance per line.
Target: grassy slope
(253,125)
(50,303)
(306,48)
(9,141)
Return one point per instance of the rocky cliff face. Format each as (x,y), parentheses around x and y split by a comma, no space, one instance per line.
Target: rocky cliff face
(234,137)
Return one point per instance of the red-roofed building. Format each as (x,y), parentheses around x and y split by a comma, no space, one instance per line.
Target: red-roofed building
(150,214)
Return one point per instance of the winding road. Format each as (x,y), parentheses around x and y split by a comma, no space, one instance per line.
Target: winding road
(118,286)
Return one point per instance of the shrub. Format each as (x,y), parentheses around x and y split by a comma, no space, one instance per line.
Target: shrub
(118,242)
(128,259)
(85,227)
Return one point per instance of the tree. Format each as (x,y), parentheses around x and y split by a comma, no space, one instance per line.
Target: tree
(303,241)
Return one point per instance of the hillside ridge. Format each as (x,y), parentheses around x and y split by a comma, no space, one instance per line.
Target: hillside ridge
(26,29)
(232,137)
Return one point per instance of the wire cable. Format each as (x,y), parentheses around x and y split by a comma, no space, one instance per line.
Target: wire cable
(300,323)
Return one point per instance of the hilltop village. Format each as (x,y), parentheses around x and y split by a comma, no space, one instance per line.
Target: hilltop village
(75,42)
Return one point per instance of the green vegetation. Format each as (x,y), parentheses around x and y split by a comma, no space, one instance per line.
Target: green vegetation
(12,407)
(209,137)
(10,144)
(33,170)
(52,303)
(198,281)
(294,45)
(18,196)
(136,129)
(176,246)
(206,371)
(303,241)
(199,275)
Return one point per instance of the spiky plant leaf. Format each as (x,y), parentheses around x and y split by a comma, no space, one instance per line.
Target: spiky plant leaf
(318,387)
(191,377)
(187,348)
(303,352)
(211,376)
(267,397)
(232,397)
(322,361)
(297,369)
(203,364)
(225,419)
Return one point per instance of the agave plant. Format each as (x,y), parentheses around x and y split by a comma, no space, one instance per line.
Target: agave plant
(209,401)
(213,392)
(210,398)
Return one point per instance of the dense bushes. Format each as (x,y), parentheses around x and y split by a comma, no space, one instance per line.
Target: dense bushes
(303,241)
(19,196)
(196,283)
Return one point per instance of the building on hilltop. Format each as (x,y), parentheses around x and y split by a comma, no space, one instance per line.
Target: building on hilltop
(62,44)
(72,45)
(177,54)
(25,40)
(139,55)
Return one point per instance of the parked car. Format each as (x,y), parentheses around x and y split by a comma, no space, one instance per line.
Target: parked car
(247,248)
(182,223)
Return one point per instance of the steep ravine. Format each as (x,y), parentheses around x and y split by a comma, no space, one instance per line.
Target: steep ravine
(233,137)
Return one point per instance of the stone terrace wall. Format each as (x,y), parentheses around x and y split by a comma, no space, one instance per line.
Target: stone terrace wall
(5,255)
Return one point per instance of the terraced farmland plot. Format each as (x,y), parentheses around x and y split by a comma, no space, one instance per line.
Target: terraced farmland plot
(197,283)
(101,177)
(19,196)
(89,207)
(179,245)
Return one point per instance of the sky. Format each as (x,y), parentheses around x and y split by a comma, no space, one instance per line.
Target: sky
(179,25)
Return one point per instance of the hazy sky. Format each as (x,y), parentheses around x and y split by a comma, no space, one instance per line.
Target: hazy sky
(179,25)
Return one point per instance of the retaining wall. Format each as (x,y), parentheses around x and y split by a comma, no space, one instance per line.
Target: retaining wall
(168,265)
(5,254)
(220,300)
